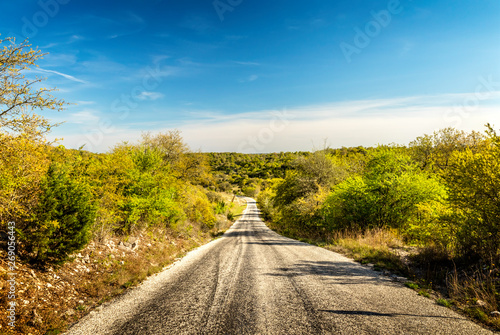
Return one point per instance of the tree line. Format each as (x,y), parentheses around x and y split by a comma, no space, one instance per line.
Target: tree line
(443,189)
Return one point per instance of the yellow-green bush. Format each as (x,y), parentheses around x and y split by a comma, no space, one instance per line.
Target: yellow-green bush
(473,180)
(23,163)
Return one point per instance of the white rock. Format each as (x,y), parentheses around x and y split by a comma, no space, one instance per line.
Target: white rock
(480,303)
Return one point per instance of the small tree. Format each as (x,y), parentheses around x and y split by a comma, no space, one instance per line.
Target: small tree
(310,175)
(186,165)
(62,220)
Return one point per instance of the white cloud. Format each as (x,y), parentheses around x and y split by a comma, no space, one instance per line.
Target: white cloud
(67,76)
(247,63)
(86,116)
(150,96)
(48,46)
(347,123)
(82,102)
(250,78)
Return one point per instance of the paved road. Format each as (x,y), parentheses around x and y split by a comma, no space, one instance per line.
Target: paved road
(254,281)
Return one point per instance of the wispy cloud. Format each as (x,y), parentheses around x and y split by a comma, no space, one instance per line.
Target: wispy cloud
(134,18)
(250,78)
(125,33)
(64,75)
(82,103)
(196,23)
(86,116)
(101,64)
(48,46)
(75,38)
(246,63)
(150,96)
(59,60)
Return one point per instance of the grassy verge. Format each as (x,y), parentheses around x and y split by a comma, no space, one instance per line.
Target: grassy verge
(377,247)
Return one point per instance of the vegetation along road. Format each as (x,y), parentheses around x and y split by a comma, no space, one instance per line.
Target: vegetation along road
(254,281)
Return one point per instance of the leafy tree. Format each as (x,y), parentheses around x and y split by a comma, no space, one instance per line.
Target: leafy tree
(434,151)
(309,176)
(473,180)
(170,144)
(185,164)
(20,96)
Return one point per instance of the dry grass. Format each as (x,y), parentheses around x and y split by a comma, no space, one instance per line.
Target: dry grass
(375,238)
(477,293)
(381,247)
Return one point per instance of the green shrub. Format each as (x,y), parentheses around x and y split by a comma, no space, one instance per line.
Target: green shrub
(411,285)
(62,219)
(220,207)
(158,207)
(388,194)
(424,293)
(443,302)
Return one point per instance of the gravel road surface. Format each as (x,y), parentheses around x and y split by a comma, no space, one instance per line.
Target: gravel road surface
(254,281)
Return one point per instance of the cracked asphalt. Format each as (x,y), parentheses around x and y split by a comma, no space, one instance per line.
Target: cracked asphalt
(254,281)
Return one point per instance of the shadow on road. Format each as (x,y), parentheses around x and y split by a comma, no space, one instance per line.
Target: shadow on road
(263,236)
(254,214)
(343,273)
(367,313)
(280,242)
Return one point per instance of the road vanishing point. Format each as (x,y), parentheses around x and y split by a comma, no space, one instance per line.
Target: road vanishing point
(254,281)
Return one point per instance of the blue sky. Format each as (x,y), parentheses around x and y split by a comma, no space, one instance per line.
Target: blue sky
(263,76)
